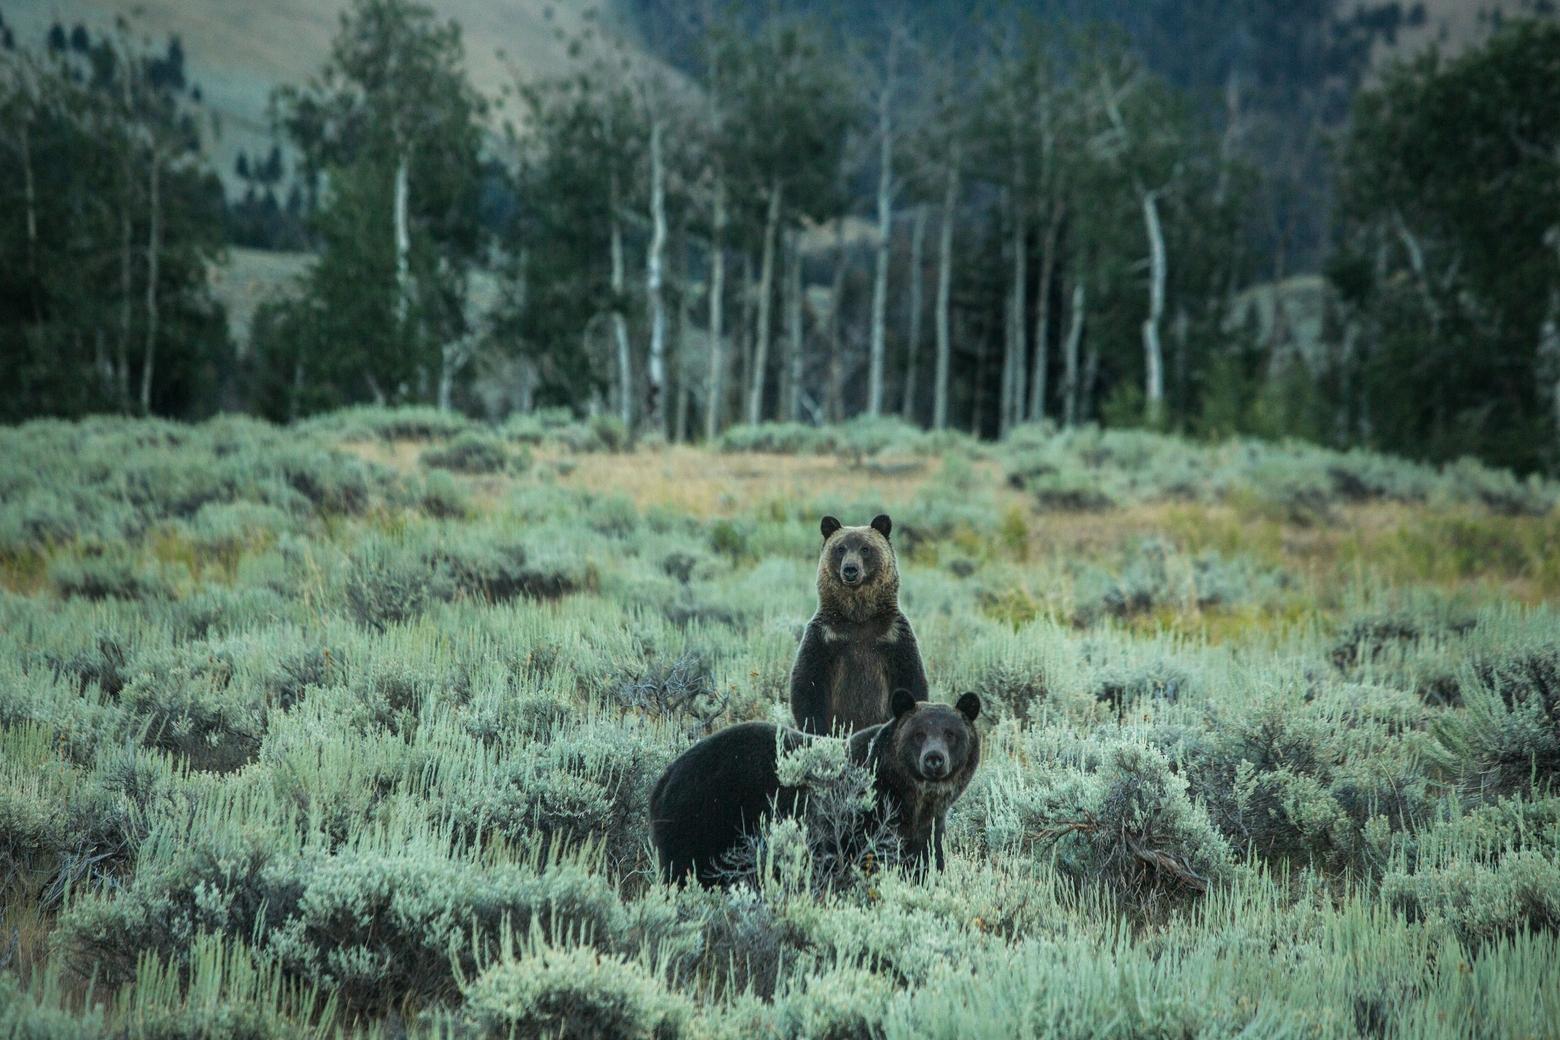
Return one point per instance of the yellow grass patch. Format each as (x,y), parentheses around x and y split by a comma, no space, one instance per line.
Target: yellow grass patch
(1375,546)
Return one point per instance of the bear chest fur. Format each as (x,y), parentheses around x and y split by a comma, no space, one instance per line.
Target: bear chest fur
(858,681)
(918,807)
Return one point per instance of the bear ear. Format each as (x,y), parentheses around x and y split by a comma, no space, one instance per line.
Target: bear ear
(903,703)
(882,525)
(969,706)
(829,526)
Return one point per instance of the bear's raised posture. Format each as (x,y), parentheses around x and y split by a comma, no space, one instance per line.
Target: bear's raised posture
(858,648)
(719,790)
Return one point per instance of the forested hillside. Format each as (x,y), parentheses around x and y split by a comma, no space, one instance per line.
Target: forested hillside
(1205,218)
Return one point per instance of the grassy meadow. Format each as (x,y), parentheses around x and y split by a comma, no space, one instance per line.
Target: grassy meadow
(347,729)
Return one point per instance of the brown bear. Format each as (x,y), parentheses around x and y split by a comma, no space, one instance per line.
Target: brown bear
(718,791)
(858,648)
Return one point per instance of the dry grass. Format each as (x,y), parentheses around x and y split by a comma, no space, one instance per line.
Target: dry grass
(707,484)
(1374,546)
(399,455)
(24,931)
(24,573)
(712,484)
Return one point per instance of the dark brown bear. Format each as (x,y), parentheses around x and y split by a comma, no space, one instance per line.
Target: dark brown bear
(719,790)
(858,647)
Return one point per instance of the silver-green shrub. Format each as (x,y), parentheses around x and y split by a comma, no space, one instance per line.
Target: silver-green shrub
(571,993)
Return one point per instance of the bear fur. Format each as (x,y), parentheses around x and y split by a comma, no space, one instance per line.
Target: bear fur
(718,791)
(858,648)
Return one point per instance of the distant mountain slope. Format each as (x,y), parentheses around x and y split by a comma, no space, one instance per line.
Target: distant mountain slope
(240,51)
(1451,25)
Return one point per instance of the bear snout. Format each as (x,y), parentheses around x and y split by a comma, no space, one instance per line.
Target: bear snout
(934,765)
(850,574)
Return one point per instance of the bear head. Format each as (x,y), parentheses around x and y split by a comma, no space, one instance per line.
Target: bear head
(858,575)
(933,743)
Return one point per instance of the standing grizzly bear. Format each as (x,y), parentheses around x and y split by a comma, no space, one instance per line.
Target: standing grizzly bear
(718,791)
(858,647)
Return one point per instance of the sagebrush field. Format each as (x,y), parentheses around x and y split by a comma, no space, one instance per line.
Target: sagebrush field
(347,729)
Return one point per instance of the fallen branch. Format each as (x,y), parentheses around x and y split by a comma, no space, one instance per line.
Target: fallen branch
(1165,862)
(1087,825)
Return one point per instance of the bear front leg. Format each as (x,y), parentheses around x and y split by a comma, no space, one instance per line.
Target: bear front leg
(905,670)
(810,682)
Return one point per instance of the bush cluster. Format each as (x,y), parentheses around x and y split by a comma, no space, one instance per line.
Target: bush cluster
(294,744)
(1093,468)
(473,452)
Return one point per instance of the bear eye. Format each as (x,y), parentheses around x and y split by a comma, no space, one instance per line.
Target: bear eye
(866,550)
(839,550)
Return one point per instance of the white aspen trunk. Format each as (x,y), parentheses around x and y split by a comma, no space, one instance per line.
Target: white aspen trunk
(945,291)
(1013,405)
(1230,138)
(122,348)
(885,217)
(153,262)
(1278,325)
(30,203)
(978,403)
(1180,333)
(453,357)
(714,390)
(126,294)
(1416,260)
(525,393)
(296,393)
(625,373)
(1549,351)
(403,239)
(794,328)
(1037,381)
(1153,354)
(655,370)
(446,380)
(746,357)
(1343,415)
(783,342)
(913,337)
(100,363)
(766,284)
(682,364)
(1070,362)
(126,245)
(1091,377)
(834,407)
(1005,380)
(1549,336)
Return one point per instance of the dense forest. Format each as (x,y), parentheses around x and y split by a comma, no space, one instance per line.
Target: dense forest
(1202,217)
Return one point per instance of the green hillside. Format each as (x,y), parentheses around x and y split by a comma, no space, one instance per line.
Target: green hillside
(347,729)
(240,53)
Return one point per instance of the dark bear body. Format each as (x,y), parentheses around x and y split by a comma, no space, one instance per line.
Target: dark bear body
(858,648)
(719,790)
(715,792)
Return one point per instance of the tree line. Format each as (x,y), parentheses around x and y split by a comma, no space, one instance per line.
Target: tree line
(1005,218)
